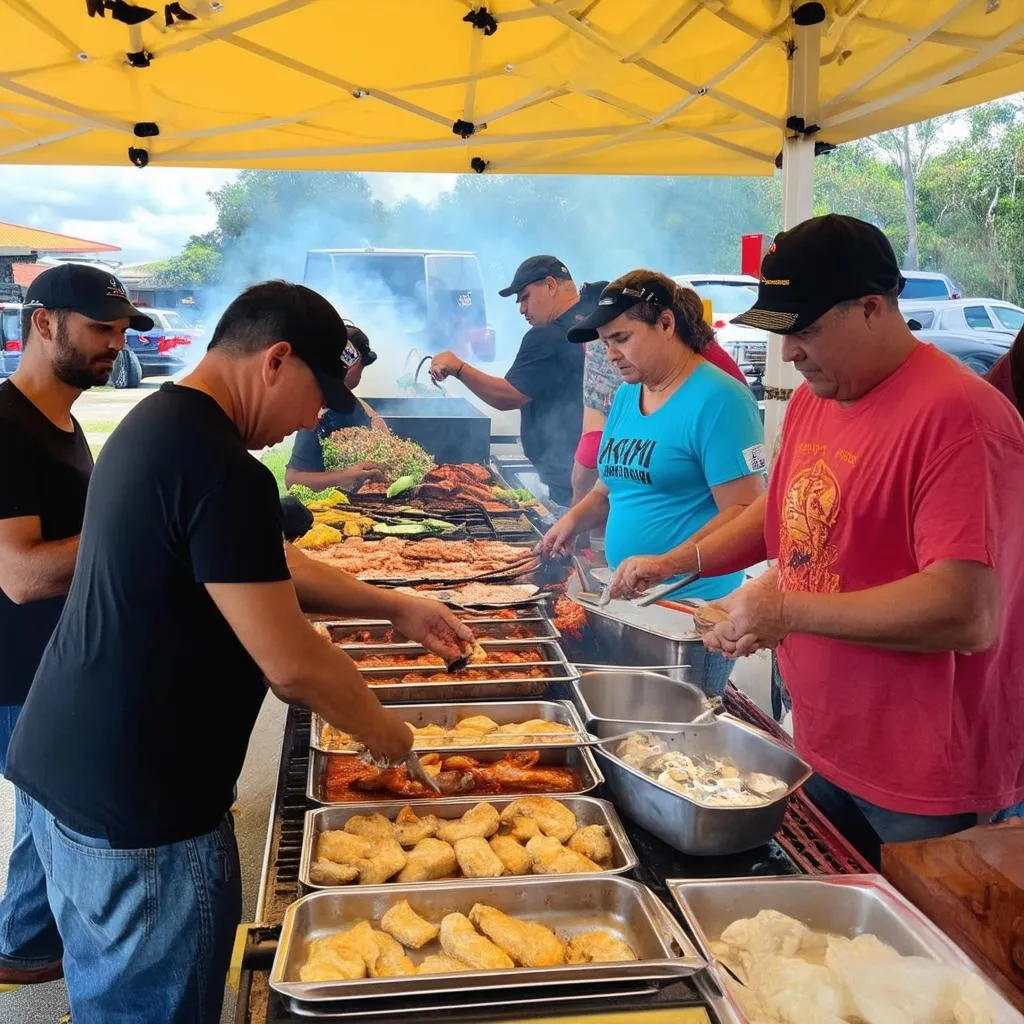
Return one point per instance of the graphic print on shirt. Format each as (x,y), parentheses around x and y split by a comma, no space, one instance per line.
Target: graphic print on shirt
(810,510)
(628,458)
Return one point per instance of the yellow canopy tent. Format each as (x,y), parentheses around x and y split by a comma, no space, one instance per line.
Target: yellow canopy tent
(516,86)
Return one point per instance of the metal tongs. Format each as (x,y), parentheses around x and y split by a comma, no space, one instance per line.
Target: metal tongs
(411,763)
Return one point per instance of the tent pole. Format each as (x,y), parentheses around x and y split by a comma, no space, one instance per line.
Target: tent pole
(797,190)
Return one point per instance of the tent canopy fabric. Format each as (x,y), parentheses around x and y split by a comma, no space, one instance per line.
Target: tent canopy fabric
(520,86)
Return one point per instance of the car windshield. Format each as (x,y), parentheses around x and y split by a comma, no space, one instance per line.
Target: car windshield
(728,298)
(1012,319)
(172,321)
(925,288)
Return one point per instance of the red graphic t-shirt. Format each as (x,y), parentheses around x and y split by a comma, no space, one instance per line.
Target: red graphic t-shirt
(929,466)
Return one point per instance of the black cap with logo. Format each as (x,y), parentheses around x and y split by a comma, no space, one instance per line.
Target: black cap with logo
(615,300)
(534,269)
(93,292)
(815,266)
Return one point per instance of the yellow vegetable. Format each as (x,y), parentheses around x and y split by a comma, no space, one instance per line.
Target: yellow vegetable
(336,497)
(320,536)
(351,530)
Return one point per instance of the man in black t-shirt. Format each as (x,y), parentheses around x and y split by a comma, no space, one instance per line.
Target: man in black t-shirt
(546,379)
(73,326)
(184,604)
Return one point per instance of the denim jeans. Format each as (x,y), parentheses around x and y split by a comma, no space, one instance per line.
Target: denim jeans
(28,933)
(148,932)
(712,669)
(867,826)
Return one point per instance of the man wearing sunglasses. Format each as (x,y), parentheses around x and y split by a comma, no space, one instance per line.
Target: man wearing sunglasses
(306,464)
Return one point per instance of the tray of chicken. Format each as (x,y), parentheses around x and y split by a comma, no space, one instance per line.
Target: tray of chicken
(397,561)
(521,670)
(500,627)
(343,779)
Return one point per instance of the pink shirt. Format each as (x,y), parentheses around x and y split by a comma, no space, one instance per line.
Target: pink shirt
(717,356)
(928,466)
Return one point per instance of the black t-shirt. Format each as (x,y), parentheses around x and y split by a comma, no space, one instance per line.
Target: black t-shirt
(46,474)
(307,454)
(139,716)
(548,369)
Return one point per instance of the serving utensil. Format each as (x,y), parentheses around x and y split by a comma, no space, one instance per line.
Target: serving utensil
(412,764)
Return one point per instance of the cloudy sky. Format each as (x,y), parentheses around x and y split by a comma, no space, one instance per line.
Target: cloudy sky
(149,213)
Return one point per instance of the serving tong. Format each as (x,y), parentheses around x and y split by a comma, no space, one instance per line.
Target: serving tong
(411,763)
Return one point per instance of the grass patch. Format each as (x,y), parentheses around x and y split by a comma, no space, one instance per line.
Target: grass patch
(275,460)
(99,426)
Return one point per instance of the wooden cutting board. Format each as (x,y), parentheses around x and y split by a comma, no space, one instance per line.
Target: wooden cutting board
(972,886)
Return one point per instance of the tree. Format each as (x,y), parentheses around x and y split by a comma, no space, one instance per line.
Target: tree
(197,264)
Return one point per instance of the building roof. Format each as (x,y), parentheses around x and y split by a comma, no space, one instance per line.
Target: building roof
(15,236)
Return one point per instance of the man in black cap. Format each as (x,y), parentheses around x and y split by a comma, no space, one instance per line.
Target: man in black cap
(546,379)
(73,327)
(184,604)
(306,462)
(892,512)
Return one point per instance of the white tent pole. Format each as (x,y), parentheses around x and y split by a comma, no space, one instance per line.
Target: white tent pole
(797,193)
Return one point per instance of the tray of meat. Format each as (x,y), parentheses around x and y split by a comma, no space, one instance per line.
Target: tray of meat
(503,837)
(342,779)
(513,671)
(513,724)
(490,631)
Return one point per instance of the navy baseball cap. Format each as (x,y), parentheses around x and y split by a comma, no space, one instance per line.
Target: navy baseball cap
(815,266)
(615,300)
(536,268)
(93,292)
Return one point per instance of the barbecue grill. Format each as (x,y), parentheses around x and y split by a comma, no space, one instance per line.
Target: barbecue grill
(451,429)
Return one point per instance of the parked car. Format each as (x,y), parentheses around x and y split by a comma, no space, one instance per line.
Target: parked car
(156,353)
(977,354)
(924,284)
(990,318)
(427,299)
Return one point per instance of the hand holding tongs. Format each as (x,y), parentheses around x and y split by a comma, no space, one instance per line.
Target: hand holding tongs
(412,765)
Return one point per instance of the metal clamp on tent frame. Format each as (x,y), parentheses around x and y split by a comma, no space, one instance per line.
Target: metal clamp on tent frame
(483,20)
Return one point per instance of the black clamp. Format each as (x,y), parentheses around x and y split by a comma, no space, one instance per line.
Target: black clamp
(120,10)
(798,126)
(479,164)
(139,58)
(820,148)
(463,128)
(138,156)
(812,13)
(146,130)
(482,19)
(174,12)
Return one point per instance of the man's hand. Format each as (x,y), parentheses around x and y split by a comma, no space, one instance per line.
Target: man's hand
(387,736)
(638,574)
(434,626)
(352,478)
(756,621)
(560,540)
(445,364)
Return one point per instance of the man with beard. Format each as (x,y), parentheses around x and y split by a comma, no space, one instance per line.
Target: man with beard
(74,323)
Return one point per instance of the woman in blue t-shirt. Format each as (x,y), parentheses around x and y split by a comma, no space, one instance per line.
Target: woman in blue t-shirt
(682,451)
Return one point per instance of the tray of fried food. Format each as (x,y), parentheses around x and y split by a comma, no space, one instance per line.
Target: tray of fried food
(499,627)
(482,773)
(390,941)
(506,724)
(428,840)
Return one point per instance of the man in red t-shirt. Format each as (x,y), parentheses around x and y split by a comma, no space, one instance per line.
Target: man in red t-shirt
(893,513)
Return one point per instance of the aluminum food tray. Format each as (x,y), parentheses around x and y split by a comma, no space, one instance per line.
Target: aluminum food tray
(847,905)
(509,685)
(588,811)
(614,702)
(579,759)
(570,906)
(490,632)
(504,712)
(697,829)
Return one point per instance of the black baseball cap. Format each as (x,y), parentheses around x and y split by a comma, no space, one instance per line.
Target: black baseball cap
(357,337)
(536,268)
(815,266)
(93,292)
(615,300)
(319,337)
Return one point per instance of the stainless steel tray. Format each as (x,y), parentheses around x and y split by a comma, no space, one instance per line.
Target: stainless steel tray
(490,632)
(694,828)
(579,759)
(503,712)
(847,905)
(614,702)
(588,811)
(570,906)
(511,685)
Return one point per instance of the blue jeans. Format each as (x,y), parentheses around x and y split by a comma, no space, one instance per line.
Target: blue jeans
(712,669)
(867,826)
(148,932)
(28,933)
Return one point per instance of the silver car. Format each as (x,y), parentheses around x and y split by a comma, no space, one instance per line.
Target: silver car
(993,318)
